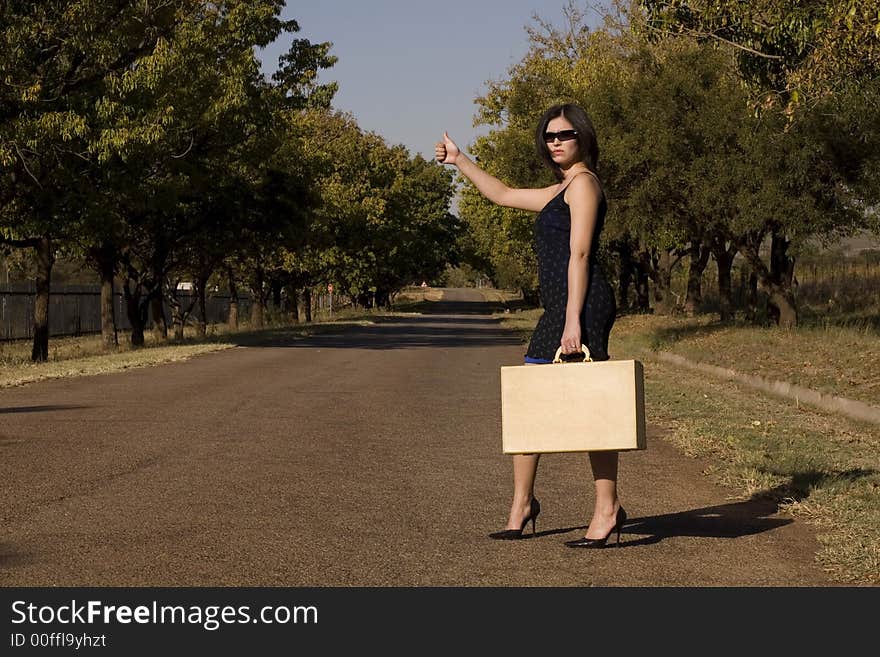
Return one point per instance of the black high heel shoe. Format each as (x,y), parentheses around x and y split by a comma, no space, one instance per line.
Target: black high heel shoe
(515,534)
(600,542)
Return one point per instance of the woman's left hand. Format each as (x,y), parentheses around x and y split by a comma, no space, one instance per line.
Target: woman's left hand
(571,337)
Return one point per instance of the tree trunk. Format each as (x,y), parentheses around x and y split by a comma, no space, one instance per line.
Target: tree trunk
(531,296)
(662,277)
(160,323)
(623,285)
(625,278)
(725,264)
(699,258)
(275,287)
(786,308)
(307,303)
(752,297)
(383,299)
(109,335)
(258,305)
(202,301)
(783,308)
(258,318)
(232,319)
(643,287)
(137,315)
(292,303)
(45,260)
(179,313)
(776,284)
(178,321)
(106,261)
(724,256)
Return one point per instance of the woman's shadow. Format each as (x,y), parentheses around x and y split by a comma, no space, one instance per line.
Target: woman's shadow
(722,521)
(733,520)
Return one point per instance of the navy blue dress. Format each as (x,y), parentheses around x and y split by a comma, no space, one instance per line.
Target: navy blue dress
(552,247)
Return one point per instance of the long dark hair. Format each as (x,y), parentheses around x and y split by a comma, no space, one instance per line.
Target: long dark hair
(588,145)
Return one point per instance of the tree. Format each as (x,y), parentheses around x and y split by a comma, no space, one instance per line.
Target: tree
(54,58)
(689,168)
(381,219)
(118,122)
(418,236)
(790,50)
(228,122)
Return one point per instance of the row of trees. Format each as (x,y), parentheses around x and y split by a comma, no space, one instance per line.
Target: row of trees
(141,137)
(717,140)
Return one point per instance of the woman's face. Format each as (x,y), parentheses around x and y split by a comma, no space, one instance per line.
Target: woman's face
(562,144)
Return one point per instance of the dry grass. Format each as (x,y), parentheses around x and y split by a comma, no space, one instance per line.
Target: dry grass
(24,373)
(85,355)
(81,356)
(819,467)
(493,295)
(842,361)
(418,295)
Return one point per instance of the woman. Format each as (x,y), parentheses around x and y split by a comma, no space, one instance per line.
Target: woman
(578,302)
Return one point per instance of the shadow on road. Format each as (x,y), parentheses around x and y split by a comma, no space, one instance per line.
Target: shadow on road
(457,320)
(9,558)
(449,324)
(457,307)
(723,521)
(38,409)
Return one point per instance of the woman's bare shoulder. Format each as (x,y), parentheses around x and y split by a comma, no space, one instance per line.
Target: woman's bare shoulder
(584,186)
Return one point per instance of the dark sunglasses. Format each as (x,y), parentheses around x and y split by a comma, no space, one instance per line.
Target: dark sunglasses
(562,135)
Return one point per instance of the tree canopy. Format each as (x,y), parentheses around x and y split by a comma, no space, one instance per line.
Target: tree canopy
(686,162)
(793,50)
(143,138)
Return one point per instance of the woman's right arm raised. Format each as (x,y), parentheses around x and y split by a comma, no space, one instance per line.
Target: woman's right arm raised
(489,186)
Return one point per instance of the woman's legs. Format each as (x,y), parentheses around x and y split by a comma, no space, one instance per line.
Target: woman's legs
(604,465)
(525,467)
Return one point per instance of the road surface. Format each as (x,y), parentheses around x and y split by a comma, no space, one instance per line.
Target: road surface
(365,456)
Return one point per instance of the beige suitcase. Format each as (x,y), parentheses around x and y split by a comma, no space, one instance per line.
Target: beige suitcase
(573,407)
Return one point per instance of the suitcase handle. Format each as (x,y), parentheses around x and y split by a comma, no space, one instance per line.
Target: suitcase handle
(587,358)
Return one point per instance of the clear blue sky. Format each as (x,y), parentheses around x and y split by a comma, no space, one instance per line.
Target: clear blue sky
(410,69)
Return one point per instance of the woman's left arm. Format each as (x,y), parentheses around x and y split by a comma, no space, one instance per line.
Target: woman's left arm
(582,196)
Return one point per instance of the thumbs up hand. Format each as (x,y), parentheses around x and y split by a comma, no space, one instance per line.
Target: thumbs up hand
(446,151)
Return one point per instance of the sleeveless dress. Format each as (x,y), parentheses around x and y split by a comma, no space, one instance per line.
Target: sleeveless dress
(552,233)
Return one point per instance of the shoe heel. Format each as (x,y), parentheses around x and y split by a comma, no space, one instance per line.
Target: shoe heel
(512,534)
(600,542)
(621,518)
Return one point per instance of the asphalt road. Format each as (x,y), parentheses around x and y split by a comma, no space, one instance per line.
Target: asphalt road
(367,456)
